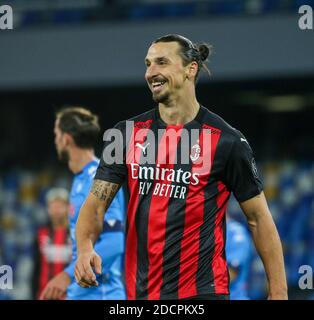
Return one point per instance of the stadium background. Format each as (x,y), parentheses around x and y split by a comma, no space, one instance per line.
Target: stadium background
(91,53)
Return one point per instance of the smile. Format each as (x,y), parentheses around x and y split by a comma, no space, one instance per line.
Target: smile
(157,86)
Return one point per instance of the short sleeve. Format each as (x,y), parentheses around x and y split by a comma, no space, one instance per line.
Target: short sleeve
(240,174)
(112,165)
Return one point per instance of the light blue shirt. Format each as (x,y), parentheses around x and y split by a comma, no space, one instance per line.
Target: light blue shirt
(239,254)
(110,245)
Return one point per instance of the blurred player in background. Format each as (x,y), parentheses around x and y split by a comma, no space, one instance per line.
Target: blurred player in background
(176,216)
(239,258)
(53,243)
(76,131)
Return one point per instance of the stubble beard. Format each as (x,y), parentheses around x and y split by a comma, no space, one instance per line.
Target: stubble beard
(63,156)
(162,98)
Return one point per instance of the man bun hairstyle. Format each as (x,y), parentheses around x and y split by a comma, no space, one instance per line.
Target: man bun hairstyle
(204,51)
(189,51)
(81,124)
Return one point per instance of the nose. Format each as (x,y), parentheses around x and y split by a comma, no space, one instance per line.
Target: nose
(151,72)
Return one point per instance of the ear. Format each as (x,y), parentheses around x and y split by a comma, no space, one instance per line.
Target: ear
(192,70)
(67,139)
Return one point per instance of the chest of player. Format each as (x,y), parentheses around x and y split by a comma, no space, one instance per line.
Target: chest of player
(171,163)
(55,245)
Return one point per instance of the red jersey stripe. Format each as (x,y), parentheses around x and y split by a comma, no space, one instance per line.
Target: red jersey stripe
(220,270)
(43,236)
(167,153)
(133,156)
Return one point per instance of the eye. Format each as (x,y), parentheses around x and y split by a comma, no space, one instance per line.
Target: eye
(162,62)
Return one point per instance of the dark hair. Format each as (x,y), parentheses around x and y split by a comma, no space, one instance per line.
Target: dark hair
(189,51)
(81,124)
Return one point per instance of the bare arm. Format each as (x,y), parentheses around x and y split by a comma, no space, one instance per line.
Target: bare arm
(90,221)
(233,273)
(88,228)
(267,243)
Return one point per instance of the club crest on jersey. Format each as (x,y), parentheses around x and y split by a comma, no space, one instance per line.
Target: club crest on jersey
(195,152)
(254,168)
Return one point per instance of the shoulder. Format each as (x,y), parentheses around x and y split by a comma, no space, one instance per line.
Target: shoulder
(146,116)
(214,121)
(231,140)
(91,170)
(42,229)
(82,182)
(142,120)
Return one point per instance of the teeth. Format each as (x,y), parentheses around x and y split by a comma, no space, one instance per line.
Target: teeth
(156,84)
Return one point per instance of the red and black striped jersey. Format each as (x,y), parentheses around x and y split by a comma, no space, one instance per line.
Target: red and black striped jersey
(179,181)
(54,254)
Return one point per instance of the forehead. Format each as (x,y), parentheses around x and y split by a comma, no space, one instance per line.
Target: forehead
(57,201)
(163,49)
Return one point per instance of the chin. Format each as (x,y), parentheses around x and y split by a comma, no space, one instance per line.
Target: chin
(63,156)
(161,98)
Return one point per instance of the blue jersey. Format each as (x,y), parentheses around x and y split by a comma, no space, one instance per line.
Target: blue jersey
(110,245)
(238,253)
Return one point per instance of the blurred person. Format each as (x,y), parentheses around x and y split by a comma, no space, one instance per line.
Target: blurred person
(175,245)
(76,131)
(239,259)
(53,243)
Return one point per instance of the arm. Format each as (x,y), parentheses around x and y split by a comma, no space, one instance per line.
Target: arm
(233,273)
(56,288)
(267,243)
(88,228)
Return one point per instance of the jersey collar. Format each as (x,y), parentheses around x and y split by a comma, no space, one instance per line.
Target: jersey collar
(199,118)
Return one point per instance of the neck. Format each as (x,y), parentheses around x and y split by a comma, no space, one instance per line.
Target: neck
(59,223)
(180,110)
(79,158)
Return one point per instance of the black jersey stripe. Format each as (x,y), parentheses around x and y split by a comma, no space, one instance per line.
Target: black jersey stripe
(174,233)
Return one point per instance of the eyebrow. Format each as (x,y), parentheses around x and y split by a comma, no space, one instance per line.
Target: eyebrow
(158,59)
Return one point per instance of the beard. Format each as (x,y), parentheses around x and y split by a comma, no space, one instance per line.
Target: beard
(63,156)
(161,98)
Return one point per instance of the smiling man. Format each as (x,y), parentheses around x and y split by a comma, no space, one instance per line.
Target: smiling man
(175,245)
